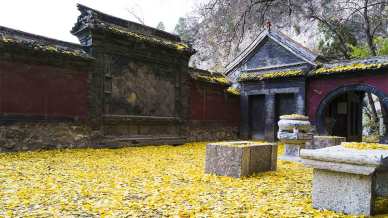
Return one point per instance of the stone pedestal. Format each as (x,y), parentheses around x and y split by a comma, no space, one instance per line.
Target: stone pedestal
(347,180)
(294,132)
(239,159)
(294,142)
(325,141)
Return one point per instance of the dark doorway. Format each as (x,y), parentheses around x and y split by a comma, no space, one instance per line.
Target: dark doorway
(285,104)
(257,116)
(343,116)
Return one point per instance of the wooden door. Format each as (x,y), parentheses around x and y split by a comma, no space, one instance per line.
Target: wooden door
(344,116)
(339,116)
(257,116)
(354,117)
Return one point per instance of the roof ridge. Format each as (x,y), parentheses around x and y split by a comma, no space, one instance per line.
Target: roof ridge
(297,43)
(232,63)
(125,23)
(294,47)
(33,36)
(362,59)
(348,61)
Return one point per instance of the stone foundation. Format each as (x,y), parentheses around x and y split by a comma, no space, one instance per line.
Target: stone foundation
(27,136)
(211,131)
(36,136)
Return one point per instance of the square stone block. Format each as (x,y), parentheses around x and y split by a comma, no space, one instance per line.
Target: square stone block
(239,159)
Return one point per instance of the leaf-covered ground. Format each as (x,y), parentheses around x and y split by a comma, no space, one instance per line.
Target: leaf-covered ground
(147,182)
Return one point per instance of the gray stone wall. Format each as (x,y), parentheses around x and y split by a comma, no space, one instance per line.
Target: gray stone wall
(211,131)
(27,136)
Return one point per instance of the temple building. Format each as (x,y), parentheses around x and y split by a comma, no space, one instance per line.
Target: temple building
(279,76)
(129,84)
(124,84)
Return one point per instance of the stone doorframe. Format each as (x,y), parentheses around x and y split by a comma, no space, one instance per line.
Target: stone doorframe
(269,109)
(349,88)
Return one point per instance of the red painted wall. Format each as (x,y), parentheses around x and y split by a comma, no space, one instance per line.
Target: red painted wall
(211,103)
(318,89)
(39,90)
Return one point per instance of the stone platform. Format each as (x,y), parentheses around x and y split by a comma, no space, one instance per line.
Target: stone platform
(347,180)
(240,158)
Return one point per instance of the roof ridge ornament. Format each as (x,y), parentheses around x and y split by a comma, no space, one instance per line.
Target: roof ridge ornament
(269,25)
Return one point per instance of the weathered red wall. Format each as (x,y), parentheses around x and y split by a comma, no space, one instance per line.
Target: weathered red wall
(39,90)
(211,103)
(319,88)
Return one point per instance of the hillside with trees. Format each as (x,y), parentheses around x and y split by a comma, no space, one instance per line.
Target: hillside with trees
(337,29)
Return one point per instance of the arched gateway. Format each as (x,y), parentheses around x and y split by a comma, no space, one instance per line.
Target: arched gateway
(347,98)
(336,92)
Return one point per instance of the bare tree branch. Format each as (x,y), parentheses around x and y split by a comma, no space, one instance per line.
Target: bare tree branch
(135,14)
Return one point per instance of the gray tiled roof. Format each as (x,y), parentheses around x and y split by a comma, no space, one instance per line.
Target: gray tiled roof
(356,65)
(40,43)
(368,60)
(90,16)
(93,19)
(286,42)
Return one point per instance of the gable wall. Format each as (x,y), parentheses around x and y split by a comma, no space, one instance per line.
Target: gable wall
(270,53)
(272,57)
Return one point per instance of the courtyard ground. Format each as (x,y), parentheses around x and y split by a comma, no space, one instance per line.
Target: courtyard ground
(147,181)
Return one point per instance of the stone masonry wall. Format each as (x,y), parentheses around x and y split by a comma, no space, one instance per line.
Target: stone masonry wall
(211,131)
(29,136)
(37,136)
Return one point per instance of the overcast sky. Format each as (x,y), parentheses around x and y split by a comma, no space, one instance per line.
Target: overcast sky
(55,18)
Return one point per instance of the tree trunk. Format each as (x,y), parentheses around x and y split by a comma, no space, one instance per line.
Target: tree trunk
(373,107)
(367,29)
